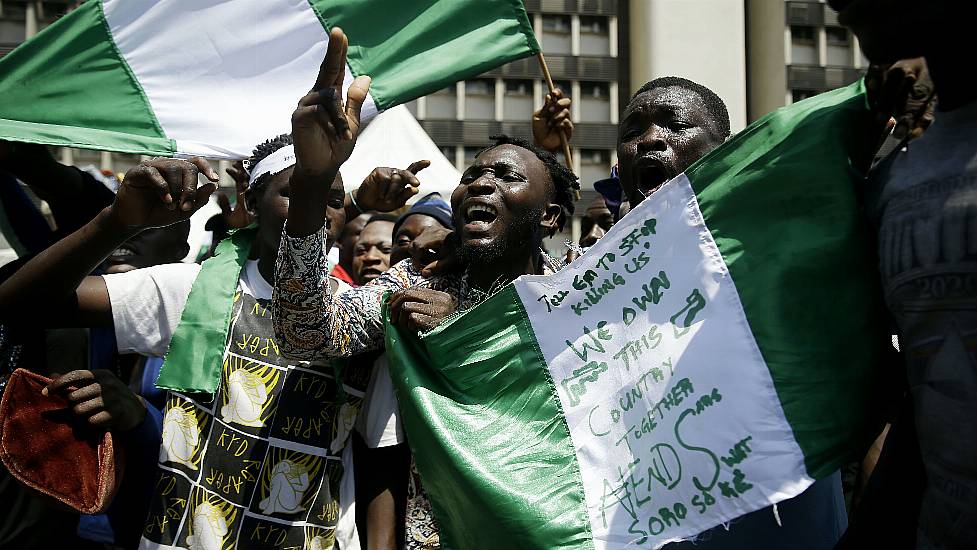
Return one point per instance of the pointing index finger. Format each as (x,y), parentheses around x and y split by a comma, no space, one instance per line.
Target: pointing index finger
(334,64)
(417,166)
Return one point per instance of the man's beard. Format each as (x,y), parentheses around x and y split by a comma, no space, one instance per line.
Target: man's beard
(517,234)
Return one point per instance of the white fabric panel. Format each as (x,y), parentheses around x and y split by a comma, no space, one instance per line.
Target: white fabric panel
(221,76)
(396,139)
(642,407)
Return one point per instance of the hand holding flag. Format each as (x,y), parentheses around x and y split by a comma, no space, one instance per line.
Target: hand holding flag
(162,192)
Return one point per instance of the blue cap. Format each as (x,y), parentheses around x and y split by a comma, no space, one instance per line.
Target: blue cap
(430,205)
(610,189)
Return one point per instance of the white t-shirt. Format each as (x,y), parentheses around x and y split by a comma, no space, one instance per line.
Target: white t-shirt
(379,419)
(147,305)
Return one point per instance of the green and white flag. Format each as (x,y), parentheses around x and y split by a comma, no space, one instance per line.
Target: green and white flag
(215,77)
(713,354)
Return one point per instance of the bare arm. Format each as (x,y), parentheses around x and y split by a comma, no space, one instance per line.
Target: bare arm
(54,288)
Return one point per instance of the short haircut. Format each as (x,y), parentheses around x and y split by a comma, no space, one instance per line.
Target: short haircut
(381,218)
(261,151)
(565,182)
(718,113)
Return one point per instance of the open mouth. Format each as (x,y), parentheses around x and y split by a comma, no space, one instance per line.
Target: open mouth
(370,273)
(480,215)
(120,254)
(651,175)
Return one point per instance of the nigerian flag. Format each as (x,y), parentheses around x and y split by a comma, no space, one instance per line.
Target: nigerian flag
(713,354)
(215,77)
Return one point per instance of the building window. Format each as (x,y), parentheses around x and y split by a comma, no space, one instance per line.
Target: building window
(803,45)
(556,34)
(839,47)
(595,105)
(442,104)
(800,95)
(837,36)
(480,99)
(564,86)
(595,164)
(518,101)
(594,36)
(470,153)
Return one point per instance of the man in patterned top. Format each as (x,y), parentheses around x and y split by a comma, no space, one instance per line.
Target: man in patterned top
(513,196)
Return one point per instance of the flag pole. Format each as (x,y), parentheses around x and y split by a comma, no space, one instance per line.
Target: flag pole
(563,136)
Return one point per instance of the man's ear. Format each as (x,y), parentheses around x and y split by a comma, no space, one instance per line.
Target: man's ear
(553,217)
(251,199)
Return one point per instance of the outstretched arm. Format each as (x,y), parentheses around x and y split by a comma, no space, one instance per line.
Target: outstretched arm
(310,321)
(54,287)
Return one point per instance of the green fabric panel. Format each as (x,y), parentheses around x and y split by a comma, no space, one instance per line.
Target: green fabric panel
(413,48)
(781,201)
(84,138)
(193,362)
(492,445)
(69,85)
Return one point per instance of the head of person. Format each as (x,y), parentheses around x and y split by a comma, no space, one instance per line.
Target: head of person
(890,30)
(154,246)
(371,257)
(668,124)
(270,166)
(597,220)
(512,196)
(429,212)
(346,240)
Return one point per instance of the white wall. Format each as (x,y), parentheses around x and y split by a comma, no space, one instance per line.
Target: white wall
(701,40)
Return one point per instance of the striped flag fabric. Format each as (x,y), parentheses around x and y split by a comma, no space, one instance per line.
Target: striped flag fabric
(215,77)
(712,355)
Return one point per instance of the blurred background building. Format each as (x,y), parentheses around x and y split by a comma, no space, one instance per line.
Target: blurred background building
(758,55)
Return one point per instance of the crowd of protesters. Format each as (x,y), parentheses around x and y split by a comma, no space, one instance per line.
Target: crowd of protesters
(96,303)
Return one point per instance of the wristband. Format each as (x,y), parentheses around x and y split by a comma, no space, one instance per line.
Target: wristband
(352,200)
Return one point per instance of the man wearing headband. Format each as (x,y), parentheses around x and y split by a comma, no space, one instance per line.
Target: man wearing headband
(233,459)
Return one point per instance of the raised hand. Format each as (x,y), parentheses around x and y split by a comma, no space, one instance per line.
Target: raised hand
(161,192)
(420,309)
(238,216)
(552,119)
(387,189)
(100,398)
(323,128)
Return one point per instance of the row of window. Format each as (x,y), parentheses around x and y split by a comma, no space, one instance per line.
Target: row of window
(593,101)
(557,37)
(518,88)
(840,50)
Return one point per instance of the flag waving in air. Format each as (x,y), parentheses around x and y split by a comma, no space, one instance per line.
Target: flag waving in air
(713,354)
(214,77)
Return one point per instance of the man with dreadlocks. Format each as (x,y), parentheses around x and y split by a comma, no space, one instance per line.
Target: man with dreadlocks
(253,445)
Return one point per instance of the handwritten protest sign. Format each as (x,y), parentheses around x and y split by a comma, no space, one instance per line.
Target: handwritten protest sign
(672,411)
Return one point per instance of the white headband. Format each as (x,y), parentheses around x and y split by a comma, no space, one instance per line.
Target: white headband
(273,163)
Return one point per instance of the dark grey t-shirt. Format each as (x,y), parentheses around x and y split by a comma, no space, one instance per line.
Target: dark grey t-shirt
(927,214)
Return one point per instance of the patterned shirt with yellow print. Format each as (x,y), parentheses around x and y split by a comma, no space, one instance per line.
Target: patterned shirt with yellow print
(263,462)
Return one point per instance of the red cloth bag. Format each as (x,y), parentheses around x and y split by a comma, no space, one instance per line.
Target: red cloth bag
(46,448)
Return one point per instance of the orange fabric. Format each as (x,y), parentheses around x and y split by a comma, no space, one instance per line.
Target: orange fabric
(45,447)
